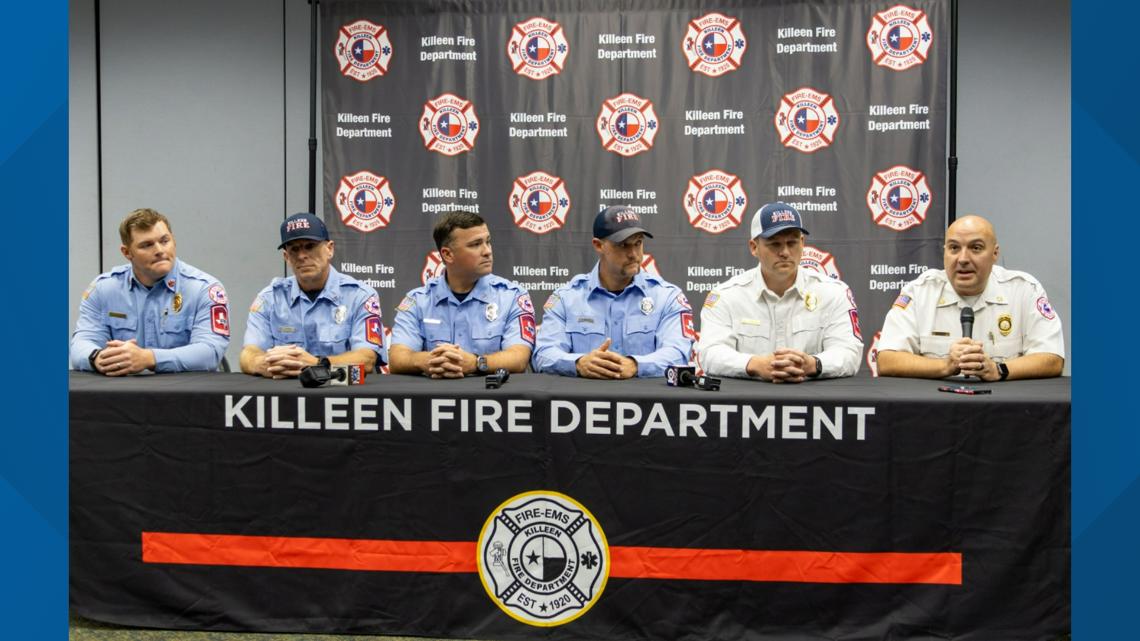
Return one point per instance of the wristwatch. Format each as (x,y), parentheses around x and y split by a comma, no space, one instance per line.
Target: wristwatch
(818,368)
(92,356)
(481,364)
(1003,371)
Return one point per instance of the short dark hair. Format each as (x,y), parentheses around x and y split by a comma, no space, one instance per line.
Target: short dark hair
(452,221)
(142,220)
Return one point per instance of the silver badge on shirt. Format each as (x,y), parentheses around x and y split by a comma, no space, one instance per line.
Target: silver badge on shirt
(492,311)
(340,314)
(646,306)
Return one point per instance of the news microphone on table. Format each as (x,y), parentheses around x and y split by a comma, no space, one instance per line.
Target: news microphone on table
(325,373)
(496,380)
(685,376)
(967,319)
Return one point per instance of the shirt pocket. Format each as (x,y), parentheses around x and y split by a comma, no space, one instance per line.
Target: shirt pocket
(333,339)
(1005,349)
(640,335)
(935,346)
(584,337)
(752,339)
(285,332)
(122,329)
(436,334)
(807,335)
(175,331)
(487,339)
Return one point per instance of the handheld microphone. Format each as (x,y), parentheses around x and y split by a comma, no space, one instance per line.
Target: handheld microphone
(967,319)
(685,376)
(332,375)
(680,376)
(496,380)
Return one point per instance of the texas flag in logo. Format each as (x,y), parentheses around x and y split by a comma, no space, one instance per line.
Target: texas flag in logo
(540,203)
(627,125)
(900,38)
(538,48)
(363,51)
(714,45)
(449,125)
(365,202)
(807,120)
(716,201)
(900,198)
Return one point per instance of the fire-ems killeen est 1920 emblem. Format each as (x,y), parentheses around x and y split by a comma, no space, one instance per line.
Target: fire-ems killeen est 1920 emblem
(543,558)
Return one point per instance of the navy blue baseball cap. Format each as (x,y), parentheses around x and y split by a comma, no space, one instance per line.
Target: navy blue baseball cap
(305,226)
(617,223)
(774,218)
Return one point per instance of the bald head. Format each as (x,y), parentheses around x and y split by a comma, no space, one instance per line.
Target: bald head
(974,226)
(969,255)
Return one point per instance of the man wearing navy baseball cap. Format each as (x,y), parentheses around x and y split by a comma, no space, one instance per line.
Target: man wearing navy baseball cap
(316,313)
(777,322)
(617,321)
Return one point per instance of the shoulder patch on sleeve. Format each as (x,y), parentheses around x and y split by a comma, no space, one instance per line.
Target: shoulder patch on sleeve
(220,320)
(217,293)
(551,301)
(1045,308)
(902,302)
(406,304)
(372,306)
(525,303)
(711,299)
(683,302)
(374,331)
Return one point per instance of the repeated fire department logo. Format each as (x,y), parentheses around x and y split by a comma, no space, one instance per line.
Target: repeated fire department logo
(363,50)
(873,355)
(715,201)
(899,197)
(818,260)
(714,44)
(449,125)
(365,201)
(537,48)
(433,266)
(543,558)
(899,38)
(539,202)
(649,265)
(627,124)
(807,120)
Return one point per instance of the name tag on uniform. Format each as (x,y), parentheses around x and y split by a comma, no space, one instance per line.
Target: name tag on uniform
(432,321)
(585,319)
(117,315)
(940,333)
(287,330)
(751,321)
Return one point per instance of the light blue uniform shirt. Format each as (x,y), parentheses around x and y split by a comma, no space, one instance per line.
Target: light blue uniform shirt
(345,316)
(184,318)
(495,315)
(650,320)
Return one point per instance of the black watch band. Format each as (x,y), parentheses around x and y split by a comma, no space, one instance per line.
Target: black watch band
(1003,371)
(91,358)
(818,367)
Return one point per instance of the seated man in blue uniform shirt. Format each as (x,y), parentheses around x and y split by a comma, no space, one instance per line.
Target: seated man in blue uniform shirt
(154,313)
(316,313)
(466,320)
(616,321)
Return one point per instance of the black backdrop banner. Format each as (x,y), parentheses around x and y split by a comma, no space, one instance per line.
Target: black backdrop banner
(537,115)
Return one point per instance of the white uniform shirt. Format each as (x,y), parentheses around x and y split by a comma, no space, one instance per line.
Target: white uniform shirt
(1012,317)
(816,315)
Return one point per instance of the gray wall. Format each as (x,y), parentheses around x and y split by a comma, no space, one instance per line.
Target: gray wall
(205,118)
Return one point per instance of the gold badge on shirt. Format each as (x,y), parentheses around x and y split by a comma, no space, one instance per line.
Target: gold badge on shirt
(177,302)
(1005,324)
(810,301)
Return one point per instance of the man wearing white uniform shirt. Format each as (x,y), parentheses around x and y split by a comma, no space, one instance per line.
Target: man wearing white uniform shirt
(777,322)
(1016,333)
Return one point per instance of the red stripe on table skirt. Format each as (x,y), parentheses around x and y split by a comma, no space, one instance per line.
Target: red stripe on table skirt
(625,562)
